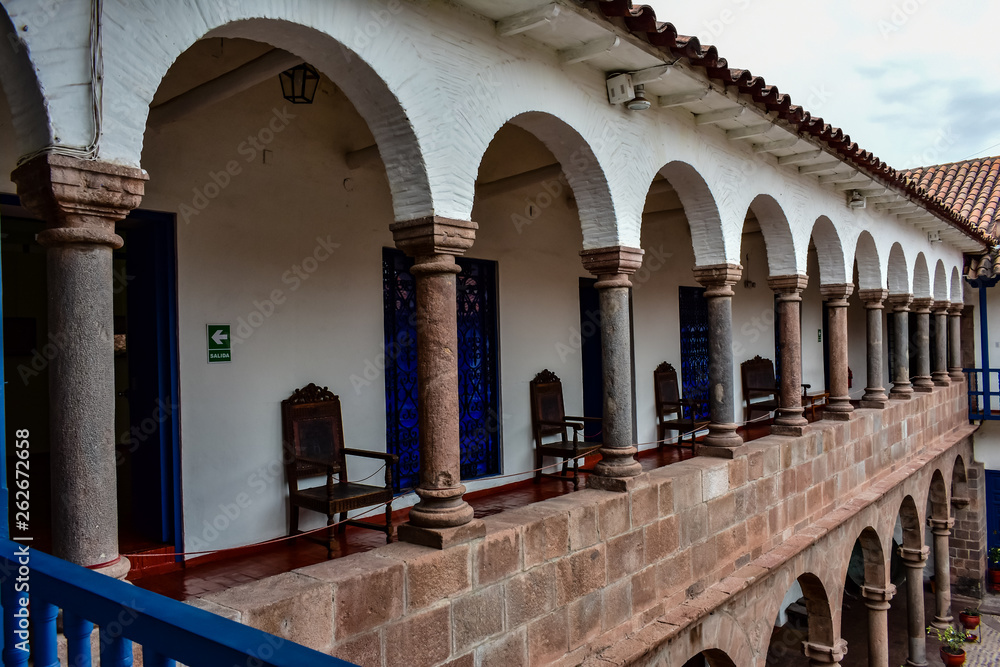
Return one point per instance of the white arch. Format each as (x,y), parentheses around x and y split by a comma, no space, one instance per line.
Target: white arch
(957,294)
(868,261)
(29,112)
(940,282)
(829,252)
(582,170)
(898,273)
(921,277)
(782,259)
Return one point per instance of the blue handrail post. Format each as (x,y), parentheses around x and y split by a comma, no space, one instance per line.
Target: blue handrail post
(77,631)
(116,651)
(43,617)
(151,658)
(15,620)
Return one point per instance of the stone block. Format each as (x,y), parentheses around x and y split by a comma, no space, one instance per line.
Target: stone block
(584,619)
(510,650)
(364,650)
(674,574)
(693,524)
(419,640)
(661,538)
(498,555)
(738,472)
(715,481)
(580,573)
(645,504)
(613,515)
(644,591)
(704,557)
(367,591)
(289,605)
(431,574)
(477,616)
(545,536)
(626,554)
(548,638)
(616,600)
(721,512)
(755,464)
(530,595)
(583,527)
(214,608)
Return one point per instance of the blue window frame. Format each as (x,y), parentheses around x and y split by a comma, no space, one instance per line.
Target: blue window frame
(693,321)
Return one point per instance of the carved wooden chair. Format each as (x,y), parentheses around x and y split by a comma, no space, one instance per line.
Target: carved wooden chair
(757,375)
(313,445)
(557,434)
(670,407)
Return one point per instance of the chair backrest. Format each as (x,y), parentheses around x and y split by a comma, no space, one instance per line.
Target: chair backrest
(312,427)
(758,378)
(665,391)
(546,404)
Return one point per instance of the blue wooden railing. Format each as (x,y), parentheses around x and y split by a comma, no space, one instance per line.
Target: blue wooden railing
(982,395)
(35,585)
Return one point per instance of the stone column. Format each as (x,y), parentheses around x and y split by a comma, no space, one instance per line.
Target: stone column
(922,339)
(901,387)
(821,655)
(875,396)
(916,624)
(939,355)
(613,266)
(839,405)
(80,202)
(955,342)
(789,420)
(441,517)
(877,601)
(942,571)
(722,439)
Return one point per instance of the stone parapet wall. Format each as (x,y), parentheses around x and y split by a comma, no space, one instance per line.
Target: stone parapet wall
(560,581)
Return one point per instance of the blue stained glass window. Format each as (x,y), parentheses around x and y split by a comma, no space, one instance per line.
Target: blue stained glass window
(694,347)
(478,364)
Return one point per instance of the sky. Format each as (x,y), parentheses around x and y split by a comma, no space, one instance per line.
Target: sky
(913,81)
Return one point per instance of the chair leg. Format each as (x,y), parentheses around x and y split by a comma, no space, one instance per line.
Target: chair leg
(576,473)
(388,523)
(293,519)
(343,523)
(538,467)
(329,536)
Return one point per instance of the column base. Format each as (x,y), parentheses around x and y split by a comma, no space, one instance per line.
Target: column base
(720,452)
(840,416)
(616,484)
(441,538)
(875,403)
(910,663)
(943,623)
(116,569)
(956,374)
(722,435)
(903,393)
(786,429)
(941,379)
(616,463)
(923,383)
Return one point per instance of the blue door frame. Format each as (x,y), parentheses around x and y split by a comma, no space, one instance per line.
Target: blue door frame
(154,232)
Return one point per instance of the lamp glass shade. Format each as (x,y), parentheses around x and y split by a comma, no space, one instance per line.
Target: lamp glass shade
(299,84)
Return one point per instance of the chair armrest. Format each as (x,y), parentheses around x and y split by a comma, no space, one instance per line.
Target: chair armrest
(584,419)
(562,424)
(388,458)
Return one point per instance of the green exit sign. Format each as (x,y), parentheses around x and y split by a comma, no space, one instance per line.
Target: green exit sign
(219,343)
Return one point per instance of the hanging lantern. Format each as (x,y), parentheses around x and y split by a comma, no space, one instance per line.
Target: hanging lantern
(298,84)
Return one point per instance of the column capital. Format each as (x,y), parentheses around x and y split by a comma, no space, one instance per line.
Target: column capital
(612,265)
(433,235)
(826,655)
(80,200)
(941,526)
(940,307)
(878,598)
(914,558)
(900,303)
(718,275)
(789,287)
(873,298)
(837,293)
(922,304)
(955,308)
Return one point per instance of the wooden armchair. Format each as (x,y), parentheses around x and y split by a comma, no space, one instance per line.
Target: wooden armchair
(670,407)
(757,375)
(548,420)
(313,445)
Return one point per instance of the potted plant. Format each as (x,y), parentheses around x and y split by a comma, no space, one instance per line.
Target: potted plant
(953,640)
(970,619)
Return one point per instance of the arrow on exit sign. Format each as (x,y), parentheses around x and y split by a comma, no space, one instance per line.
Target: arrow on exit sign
(219,343)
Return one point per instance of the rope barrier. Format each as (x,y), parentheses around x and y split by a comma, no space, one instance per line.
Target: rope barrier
(665,441)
